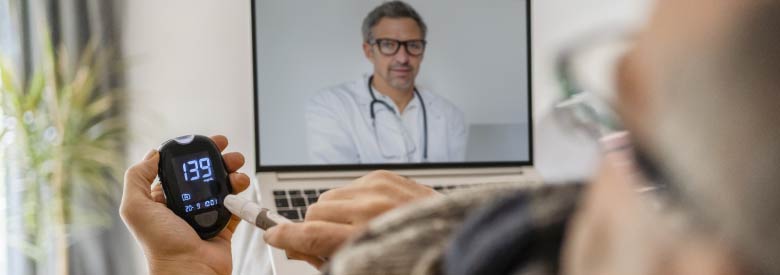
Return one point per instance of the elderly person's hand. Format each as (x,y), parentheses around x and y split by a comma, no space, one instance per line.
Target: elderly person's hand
(171,246)
(343,212)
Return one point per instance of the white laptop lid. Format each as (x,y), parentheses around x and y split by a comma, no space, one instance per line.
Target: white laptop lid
(477,58)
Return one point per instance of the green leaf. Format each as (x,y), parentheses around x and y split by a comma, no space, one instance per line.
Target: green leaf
(99,107)
(37,85)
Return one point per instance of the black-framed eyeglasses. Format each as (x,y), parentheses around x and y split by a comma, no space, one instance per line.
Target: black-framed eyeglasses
(391,46)
(586,72)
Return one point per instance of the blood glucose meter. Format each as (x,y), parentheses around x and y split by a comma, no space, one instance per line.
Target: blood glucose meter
(195,182)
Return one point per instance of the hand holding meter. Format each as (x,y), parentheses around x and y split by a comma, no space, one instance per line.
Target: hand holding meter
(195,182)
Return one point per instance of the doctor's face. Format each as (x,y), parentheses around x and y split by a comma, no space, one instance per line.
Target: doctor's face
(399,69)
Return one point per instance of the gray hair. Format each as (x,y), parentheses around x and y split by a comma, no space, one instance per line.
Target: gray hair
(392,9)
(719,134)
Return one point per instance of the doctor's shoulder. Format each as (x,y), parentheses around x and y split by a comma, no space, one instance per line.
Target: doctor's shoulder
(333,98)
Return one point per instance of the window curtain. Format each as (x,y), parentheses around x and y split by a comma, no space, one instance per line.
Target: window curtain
(72,24)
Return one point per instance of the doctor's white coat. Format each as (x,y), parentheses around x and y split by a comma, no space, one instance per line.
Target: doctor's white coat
(340,131)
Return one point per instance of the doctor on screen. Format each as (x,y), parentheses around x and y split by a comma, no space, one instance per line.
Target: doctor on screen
(383,117)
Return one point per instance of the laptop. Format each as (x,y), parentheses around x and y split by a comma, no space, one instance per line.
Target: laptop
(477,61)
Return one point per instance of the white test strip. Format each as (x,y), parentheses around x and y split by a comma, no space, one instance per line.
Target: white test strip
(253,213)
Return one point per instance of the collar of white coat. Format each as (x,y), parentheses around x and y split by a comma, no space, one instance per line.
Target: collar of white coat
(365,96)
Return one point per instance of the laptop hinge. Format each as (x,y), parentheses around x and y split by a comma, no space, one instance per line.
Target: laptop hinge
(409,173)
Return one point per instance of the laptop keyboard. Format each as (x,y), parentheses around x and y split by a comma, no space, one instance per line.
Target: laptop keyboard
(292,203)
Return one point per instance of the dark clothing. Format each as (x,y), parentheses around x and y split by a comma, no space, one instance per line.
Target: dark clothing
(495,230)
(521,234)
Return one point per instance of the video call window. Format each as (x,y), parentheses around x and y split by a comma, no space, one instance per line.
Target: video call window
(353,82)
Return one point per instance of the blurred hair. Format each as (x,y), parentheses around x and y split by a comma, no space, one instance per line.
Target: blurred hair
(392,9)
(719,133)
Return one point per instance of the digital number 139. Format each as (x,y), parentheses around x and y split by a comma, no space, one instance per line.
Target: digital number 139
(192,169)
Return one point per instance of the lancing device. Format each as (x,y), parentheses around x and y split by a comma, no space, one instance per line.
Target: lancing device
(253,213)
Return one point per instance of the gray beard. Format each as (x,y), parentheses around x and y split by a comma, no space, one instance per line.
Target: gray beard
(400,84)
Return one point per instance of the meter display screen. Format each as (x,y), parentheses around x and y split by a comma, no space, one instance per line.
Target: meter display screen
(196,181)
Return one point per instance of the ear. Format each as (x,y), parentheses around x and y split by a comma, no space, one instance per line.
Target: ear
(368,51)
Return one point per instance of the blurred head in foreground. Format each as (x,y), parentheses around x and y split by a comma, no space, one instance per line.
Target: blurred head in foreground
(700,93)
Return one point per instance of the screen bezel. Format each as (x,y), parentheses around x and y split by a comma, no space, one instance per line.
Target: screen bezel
(345,167)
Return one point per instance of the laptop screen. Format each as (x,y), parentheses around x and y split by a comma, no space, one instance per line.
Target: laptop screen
(376,84)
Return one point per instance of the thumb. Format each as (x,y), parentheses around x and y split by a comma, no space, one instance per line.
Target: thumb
(139,177)
(150,154)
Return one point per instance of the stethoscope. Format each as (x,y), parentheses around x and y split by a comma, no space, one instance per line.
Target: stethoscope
(422,103)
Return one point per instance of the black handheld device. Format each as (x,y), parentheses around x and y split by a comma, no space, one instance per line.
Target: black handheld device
(195,182)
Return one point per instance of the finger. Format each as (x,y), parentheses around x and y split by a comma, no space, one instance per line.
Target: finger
(396,187)
(382,182)
(137,186)
(233,223)
(382,176)
(139,177)
(389,182)
(233,161)
(157,192)
(330,211)
(316,238)
(342,193)
(221,141)
(312,260)
(350,192)
(348,211)
(239,182)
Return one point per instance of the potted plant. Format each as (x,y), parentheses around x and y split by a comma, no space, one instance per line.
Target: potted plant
(62,136)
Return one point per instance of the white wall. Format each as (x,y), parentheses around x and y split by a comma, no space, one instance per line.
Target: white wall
(480,68)
(190,71)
